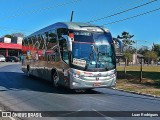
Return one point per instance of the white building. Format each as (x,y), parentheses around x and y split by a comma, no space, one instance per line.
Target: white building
(5,40)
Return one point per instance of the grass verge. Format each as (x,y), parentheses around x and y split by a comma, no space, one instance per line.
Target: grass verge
(150,83)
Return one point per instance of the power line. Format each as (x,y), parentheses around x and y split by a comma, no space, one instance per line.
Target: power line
(29,6)
(110,22)
(118,8)
(42,9)
(133,16)
(122,11)
(13,30)
(34,11)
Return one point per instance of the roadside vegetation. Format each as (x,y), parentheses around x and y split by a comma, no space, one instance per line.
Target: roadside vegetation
(150,83)
(130,77)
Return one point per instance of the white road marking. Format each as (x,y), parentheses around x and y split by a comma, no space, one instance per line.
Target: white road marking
(105,117)
(105,101)
(71,112)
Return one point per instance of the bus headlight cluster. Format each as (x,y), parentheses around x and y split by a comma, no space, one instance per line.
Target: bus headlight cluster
(76,75)
(75,84)
(113,76)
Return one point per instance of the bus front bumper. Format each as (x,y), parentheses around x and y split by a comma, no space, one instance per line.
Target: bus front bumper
(77,82)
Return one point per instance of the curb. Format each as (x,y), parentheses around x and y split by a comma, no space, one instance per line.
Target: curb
(138,93)
(8,63)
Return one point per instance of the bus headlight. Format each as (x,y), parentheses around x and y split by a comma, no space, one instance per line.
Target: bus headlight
(76,75)
(113,76)
(75,84)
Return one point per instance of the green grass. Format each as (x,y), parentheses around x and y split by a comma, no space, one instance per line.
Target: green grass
(150,83)
(137,68)
(149,72)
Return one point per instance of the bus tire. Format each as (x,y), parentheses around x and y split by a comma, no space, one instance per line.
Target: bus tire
(55,79)
(28,71)
(80,90)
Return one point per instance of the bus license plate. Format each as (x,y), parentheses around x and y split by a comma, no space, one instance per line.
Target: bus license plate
(96,84)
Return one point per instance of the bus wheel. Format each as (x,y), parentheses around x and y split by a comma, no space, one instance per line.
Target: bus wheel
(55,80)
(28,71)
(80,91)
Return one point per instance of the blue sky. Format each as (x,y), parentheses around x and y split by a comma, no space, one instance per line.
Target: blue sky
(28,16)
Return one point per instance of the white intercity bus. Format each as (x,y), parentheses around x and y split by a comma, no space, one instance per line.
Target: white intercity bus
(70,54)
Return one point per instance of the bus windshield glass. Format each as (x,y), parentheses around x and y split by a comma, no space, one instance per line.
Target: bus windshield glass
(92,50)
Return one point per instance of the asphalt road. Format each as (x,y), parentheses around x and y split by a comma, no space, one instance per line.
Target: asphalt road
(21,93)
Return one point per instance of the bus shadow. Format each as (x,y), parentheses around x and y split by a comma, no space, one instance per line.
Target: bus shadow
(19,81)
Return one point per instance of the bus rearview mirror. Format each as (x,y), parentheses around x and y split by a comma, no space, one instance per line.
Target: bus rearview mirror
(69,42)
(120,44)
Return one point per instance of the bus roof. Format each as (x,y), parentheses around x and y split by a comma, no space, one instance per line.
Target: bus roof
(71,25)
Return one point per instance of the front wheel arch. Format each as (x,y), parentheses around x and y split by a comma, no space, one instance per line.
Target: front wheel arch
(54,78)
(28,71)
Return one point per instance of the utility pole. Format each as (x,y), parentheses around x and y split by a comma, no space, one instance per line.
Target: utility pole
(136,53)
(71,16)
(141,70)
(125,70)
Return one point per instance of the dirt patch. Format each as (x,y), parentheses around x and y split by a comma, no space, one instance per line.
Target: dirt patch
(147,87)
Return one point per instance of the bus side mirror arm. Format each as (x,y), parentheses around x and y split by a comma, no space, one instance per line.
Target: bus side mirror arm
(69,42)
(120,44)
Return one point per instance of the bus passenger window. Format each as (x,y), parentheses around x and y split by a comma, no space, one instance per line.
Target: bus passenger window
(65,56)
(64,50)
(56,54)
(48,58)
(52,39)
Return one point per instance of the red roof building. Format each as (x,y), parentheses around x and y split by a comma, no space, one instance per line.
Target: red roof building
(9,48)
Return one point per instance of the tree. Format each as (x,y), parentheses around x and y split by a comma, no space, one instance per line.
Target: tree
(156,48)
(127,42)
(128,56)
(17,35)
(8,36)
(14,35)
(151,56)
(143,50)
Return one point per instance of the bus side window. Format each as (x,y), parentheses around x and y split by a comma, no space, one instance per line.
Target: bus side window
(30,41)
(63,44)
(64,50)
(48,58)
(41,41)
(52,39)
(56,55)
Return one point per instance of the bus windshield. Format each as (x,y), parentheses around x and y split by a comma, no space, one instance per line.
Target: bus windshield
(93,50)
